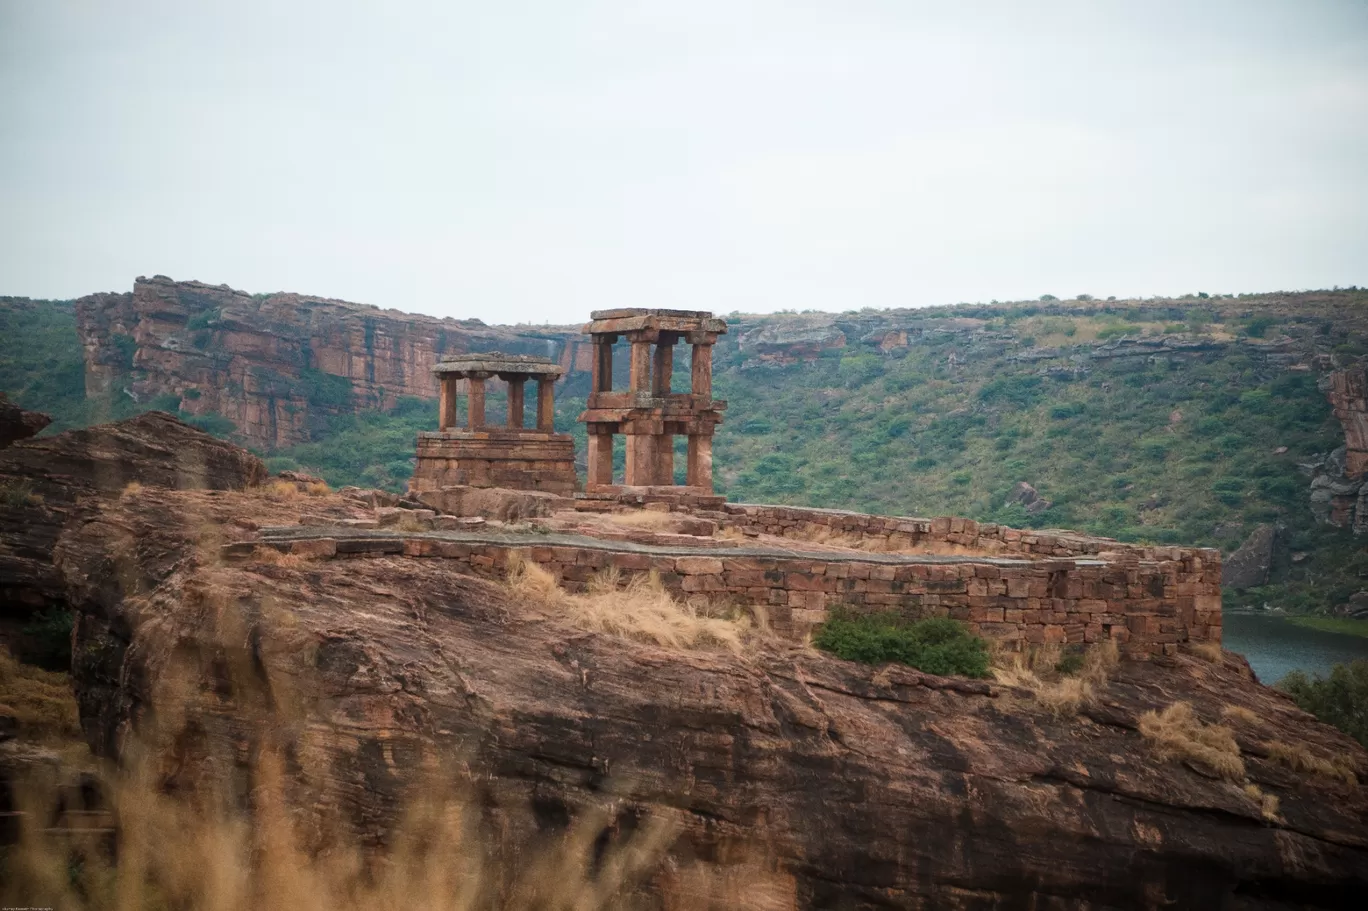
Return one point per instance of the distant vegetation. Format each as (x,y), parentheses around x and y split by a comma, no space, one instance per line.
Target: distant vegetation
(1340,699)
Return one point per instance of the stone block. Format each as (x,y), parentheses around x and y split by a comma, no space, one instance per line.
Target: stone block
(697,565)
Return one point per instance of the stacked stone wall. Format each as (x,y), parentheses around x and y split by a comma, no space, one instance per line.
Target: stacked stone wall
(1149,606)
(939,535)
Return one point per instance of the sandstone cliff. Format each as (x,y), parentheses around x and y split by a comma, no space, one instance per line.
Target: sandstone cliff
(1339,484)
(278,365)
(837,784)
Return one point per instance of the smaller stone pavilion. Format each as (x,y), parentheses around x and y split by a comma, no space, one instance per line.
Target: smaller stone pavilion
(648,412)
(479,455)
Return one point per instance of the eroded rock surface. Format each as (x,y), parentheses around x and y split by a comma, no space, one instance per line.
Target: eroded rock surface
(1339,485)
(18,424)
(1248,566)
(277,365)
(855,787)
(50,480)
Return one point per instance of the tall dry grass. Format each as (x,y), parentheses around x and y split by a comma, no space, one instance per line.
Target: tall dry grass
(201,851)
(1177,733)
(639,608)
(39,701)
(1299,759)
(236,806)
(1037,670)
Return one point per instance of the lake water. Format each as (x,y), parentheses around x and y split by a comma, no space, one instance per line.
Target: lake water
(1274,646)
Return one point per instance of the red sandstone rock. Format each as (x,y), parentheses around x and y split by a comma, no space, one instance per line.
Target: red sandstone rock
(18,424)
(850,786)
(274,365)
(62,472)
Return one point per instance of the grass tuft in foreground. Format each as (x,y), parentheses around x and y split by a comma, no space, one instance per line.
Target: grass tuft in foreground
(1177,733)
(638,608)
(936,645)
(40,701)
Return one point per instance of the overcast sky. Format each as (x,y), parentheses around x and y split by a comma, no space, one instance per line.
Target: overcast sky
(530,161)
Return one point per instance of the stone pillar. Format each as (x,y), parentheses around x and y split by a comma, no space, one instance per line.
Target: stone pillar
(664,365)
(515,401)
(446,408)
(546,404)
(702,371)
(603,363)
(700,460)
(641,460)
(475,405)
(600,457)
(641,366)
(665,459)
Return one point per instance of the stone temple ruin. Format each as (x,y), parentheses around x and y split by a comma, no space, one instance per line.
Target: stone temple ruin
(512,456)
(648,412)
(787,565)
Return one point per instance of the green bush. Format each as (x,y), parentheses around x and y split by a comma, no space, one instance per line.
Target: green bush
(1340,699)
(937,645)
(47,640)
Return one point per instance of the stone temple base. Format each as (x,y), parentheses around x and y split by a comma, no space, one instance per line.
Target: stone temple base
(498,457)
(678,496)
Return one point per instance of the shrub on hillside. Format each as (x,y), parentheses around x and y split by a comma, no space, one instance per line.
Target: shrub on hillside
(936,645)
(1340,699)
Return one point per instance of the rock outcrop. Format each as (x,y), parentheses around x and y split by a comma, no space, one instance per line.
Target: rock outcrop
(278,365)
(17,424)
(846,785)
(50,481)
(1339,483)
(1248,566)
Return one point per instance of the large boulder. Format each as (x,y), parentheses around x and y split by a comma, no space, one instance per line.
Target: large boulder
(47,482)
(1248,566)
(17,424)
(844,785)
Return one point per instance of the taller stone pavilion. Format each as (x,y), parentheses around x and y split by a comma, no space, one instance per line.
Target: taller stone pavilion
(648,412)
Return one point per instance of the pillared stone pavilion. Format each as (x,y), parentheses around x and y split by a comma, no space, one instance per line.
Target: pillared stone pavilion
(648,412)
(481,455)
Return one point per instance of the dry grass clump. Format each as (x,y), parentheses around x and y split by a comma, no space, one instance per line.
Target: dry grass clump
(273,557)
(1062,694)
(1299,759)
(642,518)
(641,609)
(1177,733)
(317,489)
(1209,651)
(1241,714)
(410,522)
(40,701)
(1268,803)
(18,493)
(281,490)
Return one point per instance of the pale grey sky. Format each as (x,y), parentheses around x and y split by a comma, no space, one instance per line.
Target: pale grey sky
(530,161)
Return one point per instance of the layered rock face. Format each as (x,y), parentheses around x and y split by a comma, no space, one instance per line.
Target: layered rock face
(278,365)
(51,481)
(17,424)
(838,785)
(1339,484)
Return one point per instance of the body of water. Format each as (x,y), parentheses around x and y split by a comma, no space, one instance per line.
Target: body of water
(1275,646)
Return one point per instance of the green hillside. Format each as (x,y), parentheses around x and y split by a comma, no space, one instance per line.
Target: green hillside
(1195,445)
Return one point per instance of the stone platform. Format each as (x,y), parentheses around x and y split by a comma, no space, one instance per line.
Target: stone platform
(1148,602)
(495,457)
